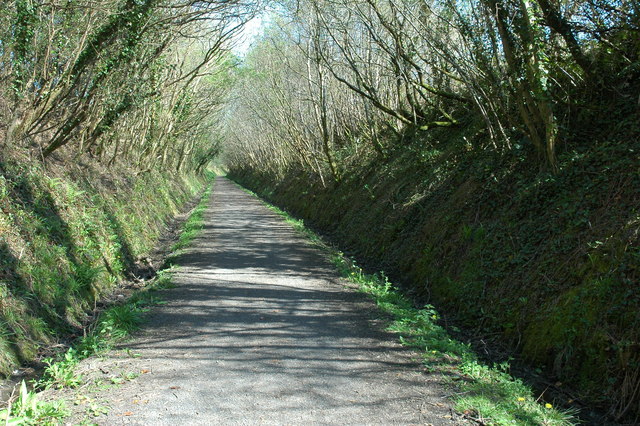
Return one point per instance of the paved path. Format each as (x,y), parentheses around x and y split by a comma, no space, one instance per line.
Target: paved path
(261,330)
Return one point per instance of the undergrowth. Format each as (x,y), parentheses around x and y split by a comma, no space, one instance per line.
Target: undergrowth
(484,393)
(113,326)
(543,264)
(28,410)
(193,226)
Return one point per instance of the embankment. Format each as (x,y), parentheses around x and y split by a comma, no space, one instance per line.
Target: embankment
(69,233)
(550,263)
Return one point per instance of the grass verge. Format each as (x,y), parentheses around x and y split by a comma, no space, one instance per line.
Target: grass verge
(67,237)
(114,325)
(487,394)
(195,223)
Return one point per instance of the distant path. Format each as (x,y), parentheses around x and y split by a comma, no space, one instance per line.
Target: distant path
(260,330)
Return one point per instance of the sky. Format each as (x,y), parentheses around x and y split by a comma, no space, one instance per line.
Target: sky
(251,31)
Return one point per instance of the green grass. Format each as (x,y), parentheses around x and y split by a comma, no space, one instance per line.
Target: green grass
(546,264)
(113,326)
(193,226)
(27,410)
(118,322)
(485,393)
(66,240)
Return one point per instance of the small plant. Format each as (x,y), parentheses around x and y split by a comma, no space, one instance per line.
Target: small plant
(27,410)
(467,232)
(61,373)
(114,324)
(119,322)
(96,410)
(487,394)
(85,276)
(164,279)
(92,408)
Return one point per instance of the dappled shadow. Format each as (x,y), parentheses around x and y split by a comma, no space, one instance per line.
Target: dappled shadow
(258,319)
(16,286)
(126,253)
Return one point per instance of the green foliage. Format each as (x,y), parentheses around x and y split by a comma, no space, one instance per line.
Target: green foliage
(119,81)
(66,241)
(163,279)
(194,224)
(23,29)
(488,394)
(113,325)
(60,374)
(27,410)
(119,321)
(546,261)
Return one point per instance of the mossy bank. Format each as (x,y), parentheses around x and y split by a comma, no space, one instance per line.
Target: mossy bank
(68,235)
(548,262)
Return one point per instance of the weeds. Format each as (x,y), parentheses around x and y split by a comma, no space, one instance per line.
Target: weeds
(61,373)
(66,241)
(163,279)
(27,410)
(487,394)
(113,325)
(120,321)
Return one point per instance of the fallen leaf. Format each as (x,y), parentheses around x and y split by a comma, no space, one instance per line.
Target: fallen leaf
(145,371)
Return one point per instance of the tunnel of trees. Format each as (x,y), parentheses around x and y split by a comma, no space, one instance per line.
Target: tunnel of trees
(491,145)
